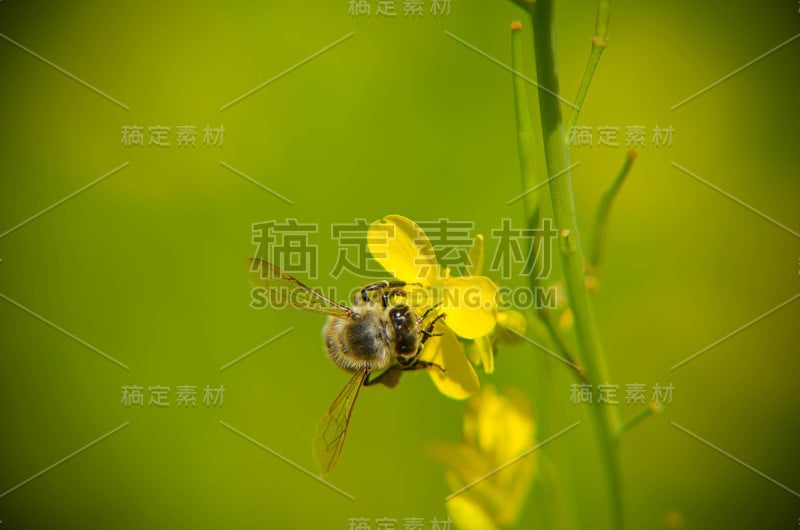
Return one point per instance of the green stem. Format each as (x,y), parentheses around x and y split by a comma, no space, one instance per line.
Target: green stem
(604,213)
(528,137)
(557,160)
(599,42)
(548,497)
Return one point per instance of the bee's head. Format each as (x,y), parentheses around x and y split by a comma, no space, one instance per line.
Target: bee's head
(401,317)
(404,323)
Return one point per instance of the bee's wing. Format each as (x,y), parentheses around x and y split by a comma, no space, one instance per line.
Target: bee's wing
(296,294)
(332,428)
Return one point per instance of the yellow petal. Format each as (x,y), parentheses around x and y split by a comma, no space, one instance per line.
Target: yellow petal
(420,298)
(470,303)
(490,425)
(474,265)
(480,351)
(470,428)
(511,327)
(517,424)
(467,515)
(403,249)
(487,353)
(474,354)
(459,381)
(464,462)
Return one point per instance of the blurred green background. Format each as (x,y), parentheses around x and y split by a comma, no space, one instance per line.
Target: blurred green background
(399,118)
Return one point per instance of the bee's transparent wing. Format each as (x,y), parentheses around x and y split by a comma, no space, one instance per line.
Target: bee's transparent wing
(291,291)
(332,428)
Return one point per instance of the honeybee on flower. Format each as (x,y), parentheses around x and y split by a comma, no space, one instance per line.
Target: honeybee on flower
(387,331)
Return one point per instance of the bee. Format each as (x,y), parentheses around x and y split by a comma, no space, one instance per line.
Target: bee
(376,340)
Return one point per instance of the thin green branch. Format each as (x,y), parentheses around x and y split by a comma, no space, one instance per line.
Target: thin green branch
(601,224)
(557,162)
(544,313)
(599,42)
(561,346)
(637,418)
(527,137)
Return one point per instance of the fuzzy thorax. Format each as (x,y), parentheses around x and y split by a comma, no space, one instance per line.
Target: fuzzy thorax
(365,341)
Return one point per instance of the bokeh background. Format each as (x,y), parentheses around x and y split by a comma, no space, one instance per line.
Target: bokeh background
(399,118)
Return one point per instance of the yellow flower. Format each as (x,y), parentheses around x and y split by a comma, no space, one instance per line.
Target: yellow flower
(511,327)
(497,428)
(510,323)
(510,330)
(470,302)
(403,249)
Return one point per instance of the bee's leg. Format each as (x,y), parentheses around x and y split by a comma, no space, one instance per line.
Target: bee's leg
(421,365)
(379,286)
(413,362)
(388,377)
(388,293)
(427,312)
(427,332)
(376,286)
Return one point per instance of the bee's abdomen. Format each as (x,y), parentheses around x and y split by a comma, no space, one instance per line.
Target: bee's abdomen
(357,344)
